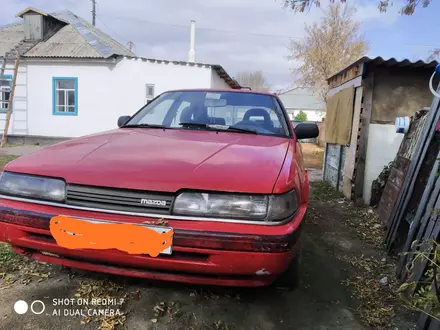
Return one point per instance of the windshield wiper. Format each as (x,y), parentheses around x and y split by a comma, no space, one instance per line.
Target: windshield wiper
(144,125)
(220,127)
(239,129)
(193,124)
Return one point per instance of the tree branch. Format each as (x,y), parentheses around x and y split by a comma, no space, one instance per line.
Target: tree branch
(383,5)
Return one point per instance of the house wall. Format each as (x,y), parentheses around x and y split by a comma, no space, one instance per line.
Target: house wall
(397,92)
(312,115)
(303,99)
(105,92)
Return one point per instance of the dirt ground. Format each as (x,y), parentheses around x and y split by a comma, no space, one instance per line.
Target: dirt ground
(343,262)
(313,155)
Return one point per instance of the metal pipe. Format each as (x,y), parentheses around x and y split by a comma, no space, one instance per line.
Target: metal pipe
(192,50)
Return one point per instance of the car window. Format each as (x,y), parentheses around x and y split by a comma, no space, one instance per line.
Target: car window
(176,119)
(157,114)
(252,111)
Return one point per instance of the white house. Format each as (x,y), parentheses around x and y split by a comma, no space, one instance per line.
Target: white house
(303,99)
(75,80)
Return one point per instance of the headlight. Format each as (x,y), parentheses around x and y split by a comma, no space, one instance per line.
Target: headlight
(282,206)
(32,186)
(236,206)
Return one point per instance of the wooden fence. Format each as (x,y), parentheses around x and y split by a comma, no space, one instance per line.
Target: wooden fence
(411,217)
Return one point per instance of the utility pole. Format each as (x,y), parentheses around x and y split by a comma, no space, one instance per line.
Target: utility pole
(94,12)
(130,45)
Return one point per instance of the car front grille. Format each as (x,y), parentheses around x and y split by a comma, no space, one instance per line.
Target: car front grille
(119,199)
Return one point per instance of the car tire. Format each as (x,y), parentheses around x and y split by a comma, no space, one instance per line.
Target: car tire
(290,278)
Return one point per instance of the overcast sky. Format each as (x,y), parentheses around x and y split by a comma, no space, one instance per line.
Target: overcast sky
(238,34)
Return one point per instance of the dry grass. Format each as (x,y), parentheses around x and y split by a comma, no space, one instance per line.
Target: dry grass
(313,155)
(90,290)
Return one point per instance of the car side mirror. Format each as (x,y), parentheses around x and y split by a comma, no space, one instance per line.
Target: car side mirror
(306,131)
(122,120)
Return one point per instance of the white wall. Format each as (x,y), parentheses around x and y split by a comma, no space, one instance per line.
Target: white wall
(217,82)
(382,147)
(105,92)
(312,115)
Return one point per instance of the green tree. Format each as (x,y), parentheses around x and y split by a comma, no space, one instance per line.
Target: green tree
(301,116)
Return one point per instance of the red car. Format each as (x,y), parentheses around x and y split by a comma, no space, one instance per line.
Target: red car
(222,169)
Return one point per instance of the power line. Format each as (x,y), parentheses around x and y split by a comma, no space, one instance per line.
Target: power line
(122,39)
(202,28)
(132,19)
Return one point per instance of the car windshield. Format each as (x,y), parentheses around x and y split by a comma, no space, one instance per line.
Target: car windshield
(232,111)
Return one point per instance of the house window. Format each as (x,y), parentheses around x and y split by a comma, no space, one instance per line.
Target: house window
(65,96)
(5,92)
(149,92)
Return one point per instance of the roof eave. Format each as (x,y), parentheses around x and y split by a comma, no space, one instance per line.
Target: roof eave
(380,61)
(24,11)
(226,77)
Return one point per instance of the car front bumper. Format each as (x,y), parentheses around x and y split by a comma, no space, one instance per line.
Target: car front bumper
(203,253)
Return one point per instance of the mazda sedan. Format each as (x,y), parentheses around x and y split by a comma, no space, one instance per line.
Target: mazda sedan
(215,176)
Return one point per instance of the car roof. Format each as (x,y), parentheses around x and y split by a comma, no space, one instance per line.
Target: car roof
(222,90)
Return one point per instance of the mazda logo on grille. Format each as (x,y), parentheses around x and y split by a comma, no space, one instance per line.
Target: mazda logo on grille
(153,202)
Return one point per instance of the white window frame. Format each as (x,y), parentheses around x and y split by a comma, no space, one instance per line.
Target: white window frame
(56,104)
(4,103)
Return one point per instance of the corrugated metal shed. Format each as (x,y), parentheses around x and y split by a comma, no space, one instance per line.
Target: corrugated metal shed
(391,62)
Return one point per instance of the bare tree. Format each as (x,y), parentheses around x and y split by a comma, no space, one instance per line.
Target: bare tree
(435,55)
(255,80)
(327,48)
(408,8)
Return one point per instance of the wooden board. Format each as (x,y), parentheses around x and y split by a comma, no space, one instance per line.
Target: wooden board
(346,75)
(392,188)
(400,168)
(363,139)
(350,160)
(351,150)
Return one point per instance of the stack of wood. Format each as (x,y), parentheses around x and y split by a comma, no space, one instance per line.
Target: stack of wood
(399,167)
(409,204)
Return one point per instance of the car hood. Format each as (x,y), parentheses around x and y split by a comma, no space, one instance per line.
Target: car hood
(163,160)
